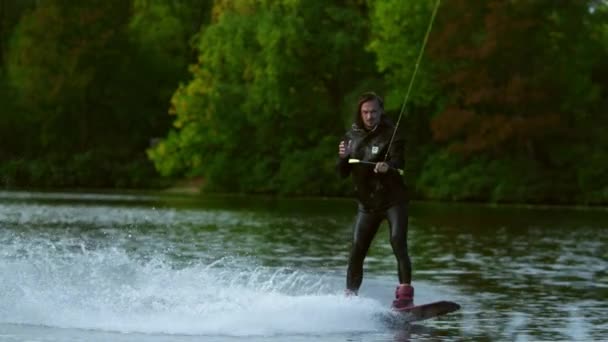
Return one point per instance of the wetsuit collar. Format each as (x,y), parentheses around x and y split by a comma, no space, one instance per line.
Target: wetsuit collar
(359,128)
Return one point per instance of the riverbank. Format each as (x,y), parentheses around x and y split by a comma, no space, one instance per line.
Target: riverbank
(190,190)
(186,186)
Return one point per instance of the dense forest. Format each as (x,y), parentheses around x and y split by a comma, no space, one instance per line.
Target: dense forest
(252,96)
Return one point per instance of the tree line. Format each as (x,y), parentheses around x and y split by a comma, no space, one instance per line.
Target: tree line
(509,104)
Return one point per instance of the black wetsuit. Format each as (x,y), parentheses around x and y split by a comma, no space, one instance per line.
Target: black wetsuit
(380,196)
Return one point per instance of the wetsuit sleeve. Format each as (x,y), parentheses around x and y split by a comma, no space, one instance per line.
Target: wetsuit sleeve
(342,165)
(396,155)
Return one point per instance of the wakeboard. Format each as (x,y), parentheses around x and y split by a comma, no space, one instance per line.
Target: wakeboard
(429,310)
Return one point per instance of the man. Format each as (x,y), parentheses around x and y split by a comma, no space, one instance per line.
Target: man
(380,191)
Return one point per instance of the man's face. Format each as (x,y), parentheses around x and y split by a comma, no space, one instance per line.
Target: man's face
(370,113)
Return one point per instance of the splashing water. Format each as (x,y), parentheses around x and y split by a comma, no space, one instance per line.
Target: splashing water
(64,284)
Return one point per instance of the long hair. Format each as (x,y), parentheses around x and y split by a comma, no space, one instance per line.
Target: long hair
(367,96)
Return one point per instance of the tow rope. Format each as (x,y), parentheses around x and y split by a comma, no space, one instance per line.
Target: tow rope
(409,88)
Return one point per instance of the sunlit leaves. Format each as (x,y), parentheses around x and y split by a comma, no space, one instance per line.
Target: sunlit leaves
(398,29)
(269,85)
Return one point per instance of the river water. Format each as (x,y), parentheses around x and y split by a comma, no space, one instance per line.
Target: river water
(152,267)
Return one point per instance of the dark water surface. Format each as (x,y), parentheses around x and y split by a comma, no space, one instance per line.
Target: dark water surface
(133,267)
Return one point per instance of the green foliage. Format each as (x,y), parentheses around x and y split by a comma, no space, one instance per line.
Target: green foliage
(59,63)
(10,13)
(506,99)
(592,177)
(398,29)
(267,94)
(85,170)
(91,78)
(451,177)
(10,124)
(508,105)
(306,172)
(518,96)
(162,30)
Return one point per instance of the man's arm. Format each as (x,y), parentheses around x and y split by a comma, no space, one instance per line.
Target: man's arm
(342,165)
(396,154)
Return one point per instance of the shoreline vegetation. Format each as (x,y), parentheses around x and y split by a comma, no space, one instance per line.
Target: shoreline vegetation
(254,96)
(190,189)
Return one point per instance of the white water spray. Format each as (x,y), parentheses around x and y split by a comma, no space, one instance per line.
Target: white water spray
(62,284)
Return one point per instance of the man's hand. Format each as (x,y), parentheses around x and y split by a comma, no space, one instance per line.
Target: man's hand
(344,149)
(381,167)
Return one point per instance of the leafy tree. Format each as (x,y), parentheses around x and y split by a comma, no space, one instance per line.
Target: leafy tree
(10,13)
(62,63)
(398,29)
(513,83)
(268,96)
(94,83)
(162,31)
(509,102)
(517,93)
(11,127)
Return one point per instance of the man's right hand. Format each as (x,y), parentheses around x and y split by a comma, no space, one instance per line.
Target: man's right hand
(344,149)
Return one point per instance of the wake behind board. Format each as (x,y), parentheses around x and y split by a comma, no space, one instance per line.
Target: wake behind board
(420,313)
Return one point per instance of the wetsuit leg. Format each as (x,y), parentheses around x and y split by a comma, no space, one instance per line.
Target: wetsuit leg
(398,220)
(365,228)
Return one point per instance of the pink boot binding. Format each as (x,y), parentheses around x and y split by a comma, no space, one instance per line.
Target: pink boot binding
(404,297)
